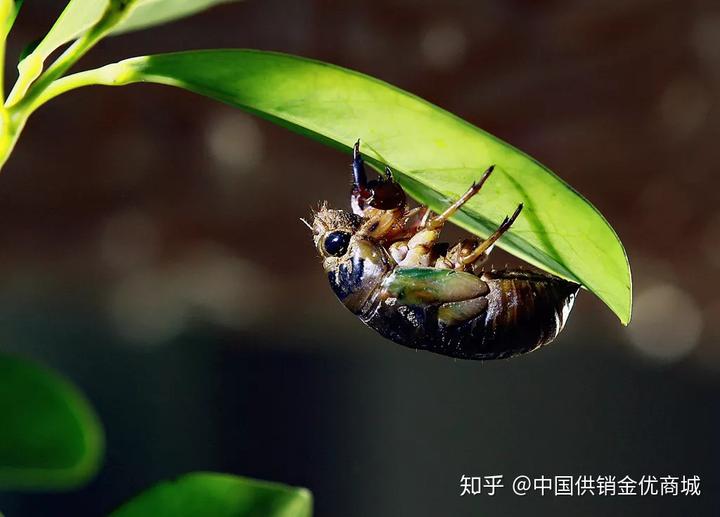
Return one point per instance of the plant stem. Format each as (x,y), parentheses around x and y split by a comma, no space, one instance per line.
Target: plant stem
(7,12)
(7,134)
(14,117)
(63,63)
(114,74)
(2,69)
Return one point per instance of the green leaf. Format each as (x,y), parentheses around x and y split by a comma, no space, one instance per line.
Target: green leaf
(50,437)
(219,495)
(117,16)
(76,19)
(80,15)
(435,155)
(147,13)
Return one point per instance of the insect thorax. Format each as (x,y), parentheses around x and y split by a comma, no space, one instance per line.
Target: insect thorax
(357,277)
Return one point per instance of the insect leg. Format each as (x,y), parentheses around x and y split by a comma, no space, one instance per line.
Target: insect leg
(485,246)
(421,246)
(420,249)
(358,167)
(407,225)
(360,192)
(461,250)
(379,194)
(439,220)
(378,223)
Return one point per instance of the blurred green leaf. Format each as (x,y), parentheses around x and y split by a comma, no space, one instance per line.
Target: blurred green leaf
(219,495)
(435,154)
(17,4)
(80,15)
(77,17)
(50,437)
(146,13)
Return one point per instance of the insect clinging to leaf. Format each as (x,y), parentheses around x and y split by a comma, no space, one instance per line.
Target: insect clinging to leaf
(385,264)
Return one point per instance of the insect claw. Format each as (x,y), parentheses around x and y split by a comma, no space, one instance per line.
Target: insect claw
(479,183)
(486,174)
(358,168)
(517,211)
(388,173)
(508,221)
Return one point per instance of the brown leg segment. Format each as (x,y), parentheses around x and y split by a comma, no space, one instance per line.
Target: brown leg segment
(487,243)
(438,221)
(421,244)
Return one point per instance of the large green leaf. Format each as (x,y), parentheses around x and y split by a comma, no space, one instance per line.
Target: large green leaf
(435,155)
(50,437)
(219,495)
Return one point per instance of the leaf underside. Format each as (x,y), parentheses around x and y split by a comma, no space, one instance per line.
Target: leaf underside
(434,154)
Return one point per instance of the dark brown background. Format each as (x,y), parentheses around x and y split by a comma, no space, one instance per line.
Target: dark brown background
(151,249)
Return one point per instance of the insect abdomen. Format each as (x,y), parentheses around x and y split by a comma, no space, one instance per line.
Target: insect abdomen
(521,312)
(525,311)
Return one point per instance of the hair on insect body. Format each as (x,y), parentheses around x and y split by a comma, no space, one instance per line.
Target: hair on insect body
(385,263)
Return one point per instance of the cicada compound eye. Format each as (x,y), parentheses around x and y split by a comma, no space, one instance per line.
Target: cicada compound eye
(336,243)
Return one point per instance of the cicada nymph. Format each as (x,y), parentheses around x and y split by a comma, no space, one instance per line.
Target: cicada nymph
(385,264)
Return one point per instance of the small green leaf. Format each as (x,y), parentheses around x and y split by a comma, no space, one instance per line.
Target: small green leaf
(118,16)
(434,154)
(147,13)
(219,495)
(12,16)
(76,19)
(50,437)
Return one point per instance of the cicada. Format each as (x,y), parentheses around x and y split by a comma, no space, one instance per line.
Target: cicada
(385,263)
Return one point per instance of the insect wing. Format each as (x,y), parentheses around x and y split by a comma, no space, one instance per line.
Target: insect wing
(426,285)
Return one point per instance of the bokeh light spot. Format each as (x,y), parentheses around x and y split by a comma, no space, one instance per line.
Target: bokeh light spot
(129,239)
(443,45)
(666,323)
(206,284)
(684,107)
(235,142)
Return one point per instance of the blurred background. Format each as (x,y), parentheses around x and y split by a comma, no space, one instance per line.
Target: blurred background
(151,251)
